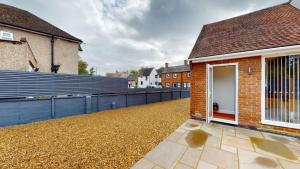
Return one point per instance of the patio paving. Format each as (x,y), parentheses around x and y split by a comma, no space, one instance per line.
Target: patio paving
(198,145)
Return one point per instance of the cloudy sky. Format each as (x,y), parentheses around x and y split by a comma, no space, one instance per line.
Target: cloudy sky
(128,34)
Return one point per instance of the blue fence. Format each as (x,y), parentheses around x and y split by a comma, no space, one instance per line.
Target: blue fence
(20,111)
(23,84)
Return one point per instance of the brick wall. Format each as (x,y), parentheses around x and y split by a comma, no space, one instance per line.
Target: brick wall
(181,78)
(249,93)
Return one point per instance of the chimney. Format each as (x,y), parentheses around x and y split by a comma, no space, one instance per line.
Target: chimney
(166,65)
(185,62)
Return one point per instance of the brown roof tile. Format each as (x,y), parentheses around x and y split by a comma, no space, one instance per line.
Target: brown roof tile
(12,16)
(272,27)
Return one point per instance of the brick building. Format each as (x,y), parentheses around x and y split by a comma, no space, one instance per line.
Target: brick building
(176,76)
(245,70)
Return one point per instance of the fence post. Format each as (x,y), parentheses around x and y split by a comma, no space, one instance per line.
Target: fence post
(126,97)
(88,104)
(180,93)
(146,94)
(52,107)
(160,96)
(97,103)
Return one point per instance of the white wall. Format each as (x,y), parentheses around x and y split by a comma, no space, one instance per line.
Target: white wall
(150,80)
(224,88)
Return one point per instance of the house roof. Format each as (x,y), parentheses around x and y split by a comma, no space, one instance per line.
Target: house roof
(160,70)
(273,27)
(132,77)
(175,69)
(16,17)
(146,71)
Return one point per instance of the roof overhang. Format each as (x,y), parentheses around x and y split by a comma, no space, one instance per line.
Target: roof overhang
(286,50)
(38,32)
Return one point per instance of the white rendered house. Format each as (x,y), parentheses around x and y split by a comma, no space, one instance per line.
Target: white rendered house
(149,78)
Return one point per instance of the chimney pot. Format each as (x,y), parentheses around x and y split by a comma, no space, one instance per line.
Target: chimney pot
(166,65)
(185,62)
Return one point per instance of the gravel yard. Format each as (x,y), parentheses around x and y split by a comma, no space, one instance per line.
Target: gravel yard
(110,139)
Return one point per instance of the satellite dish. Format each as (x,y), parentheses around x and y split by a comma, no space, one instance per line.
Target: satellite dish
(295,3)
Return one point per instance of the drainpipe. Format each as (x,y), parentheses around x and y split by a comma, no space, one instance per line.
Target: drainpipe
(52,53)
(54,68)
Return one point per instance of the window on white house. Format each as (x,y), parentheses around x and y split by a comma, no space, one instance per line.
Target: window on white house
(141,82)
(188,74)
(167,75)
(167,85)
(175,75)
(146,77)
(156,76)
(282,78)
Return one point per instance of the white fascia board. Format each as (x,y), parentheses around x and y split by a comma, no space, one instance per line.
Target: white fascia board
(270,51)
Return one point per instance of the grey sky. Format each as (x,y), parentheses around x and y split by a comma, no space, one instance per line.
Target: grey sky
(128,34)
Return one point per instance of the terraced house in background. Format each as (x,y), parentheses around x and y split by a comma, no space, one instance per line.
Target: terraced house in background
(28,43)
(176,76)
(246,70)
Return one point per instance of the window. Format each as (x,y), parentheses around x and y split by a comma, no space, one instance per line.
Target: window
(184,85)
(188,74)
(175,75)
(174,85)
(156,76)
(167,85)
(179,85)
(141,82)
(282,78)
(146,77)
(167,75)
(188,85)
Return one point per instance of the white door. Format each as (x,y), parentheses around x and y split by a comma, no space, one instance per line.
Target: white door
(209,80)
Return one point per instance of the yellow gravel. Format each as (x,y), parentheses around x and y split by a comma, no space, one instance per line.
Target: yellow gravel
(110,139)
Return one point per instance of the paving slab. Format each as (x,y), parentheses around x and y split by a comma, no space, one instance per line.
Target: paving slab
(191,157)
(175,136)
(252,160)
(220,158)
(205,165)
(229,148)
(289,165)
(166,154)
(182,166)
(143,164)
(221,147)
(237,142)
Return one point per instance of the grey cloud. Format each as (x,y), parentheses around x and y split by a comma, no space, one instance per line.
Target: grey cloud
(125,35)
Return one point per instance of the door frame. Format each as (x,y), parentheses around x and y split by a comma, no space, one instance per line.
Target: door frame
(209,105)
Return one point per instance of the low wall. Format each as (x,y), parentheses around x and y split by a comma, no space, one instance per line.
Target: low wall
(20,111)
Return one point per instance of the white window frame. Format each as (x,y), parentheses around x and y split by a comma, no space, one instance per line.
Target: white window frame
(174,75)
(174,85)
(178,85)
(167,85)
(184,85)
(188,74)
(168,76)
(263,81)
(188,84)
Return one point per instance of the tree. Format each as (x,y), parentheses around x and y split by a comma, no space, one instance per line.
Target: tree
(134,72)
(82,67)
(92,71)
